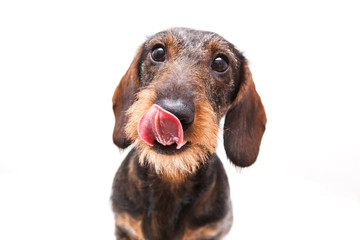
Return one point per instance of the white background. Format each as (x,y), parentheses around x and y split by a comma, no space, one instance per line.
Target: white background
(60,62)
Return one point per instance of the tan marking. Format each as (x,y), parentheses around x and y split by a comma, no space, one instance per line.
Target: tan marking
(218,229)
(172,46)
(193,234)
(202,135)
(131,225)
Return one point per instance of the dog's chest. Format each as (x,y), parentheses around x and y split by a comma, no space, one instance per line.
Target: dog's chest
(136,229)
(165,216)
(147,207)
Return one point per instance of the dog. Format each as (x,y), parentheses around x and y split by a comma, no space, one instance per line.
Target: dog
(169,104)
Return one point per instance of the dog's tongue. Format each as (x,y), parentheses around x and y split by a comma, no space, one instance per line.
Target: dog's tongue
(162,126)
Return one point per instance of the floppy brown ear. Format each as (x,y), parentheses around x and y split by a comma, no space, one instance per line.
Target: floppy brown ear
(123,98)
(244,123)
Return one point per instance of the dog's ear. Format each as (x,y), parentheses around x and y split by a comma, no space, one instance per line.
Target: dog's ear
(123,98)
(244,122)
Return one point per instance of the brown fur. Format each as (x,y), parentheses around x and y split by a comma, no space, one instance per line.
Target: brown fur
(244,124)
(130,225)
(163,193)
(123,97)
(175,167)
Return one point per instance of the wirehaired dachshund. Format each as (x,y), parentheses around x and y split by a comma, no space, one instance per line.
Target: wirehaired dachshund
(169,103)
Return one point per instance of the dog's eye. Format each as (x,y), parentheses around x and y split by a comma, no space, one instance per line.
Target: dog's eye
(220,63)
(158,53)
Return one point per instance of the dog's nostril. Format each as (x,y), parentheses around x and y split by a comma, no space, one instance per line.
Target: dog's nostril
(186,123)
(186,118)
(183,110)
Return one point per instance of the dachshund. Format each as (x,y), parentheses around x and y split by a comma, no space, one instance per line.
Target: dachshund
(169,104)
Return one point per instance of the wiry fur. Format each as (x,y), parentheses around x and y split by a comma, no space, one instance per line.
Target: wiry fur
(176,167)
(160,192)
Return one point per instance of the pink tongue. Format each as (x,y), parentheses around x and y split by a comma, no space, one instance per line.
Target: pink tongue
(162,126)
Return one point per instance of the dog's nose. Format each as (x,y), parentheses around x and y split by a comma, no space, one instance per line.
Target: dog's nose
(183,110)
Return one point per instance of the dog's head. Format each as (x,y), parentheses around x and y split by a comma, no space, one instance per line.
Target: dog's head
(173,96)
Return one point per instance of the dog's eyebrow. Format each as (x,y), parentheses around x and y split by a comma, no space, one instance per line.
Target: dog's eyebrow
(218,45)
(166,39)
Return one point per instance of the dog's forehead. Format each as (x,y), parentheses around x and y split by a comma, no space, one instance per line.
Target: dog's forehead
(195,38)
(194,42)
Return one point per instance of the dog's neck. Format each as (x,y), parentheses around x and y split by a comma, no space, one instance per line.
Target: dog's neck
(171,182)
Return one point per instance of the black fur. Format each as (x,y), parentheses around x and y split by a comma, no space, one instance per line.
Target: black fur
(182,83)
(170,205)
